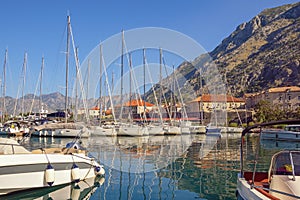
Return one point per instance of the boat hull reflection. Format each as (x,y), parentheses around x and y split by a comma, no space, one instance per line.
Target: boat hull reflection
(75,191)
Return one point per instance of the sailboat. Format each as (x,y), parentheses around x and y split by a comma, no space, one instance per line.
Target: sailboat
(15,128)
(102,129)
(128,129)
(66,129)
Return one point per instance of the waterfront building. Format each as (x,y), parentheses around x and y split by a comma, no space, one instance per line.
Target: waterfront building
(287,97)
(226,107)
(210,103)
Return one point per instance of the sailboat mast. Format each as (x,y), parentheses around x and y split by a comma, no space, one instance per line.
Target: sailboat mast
(88,78)
(4,85)
(24,81)
(67,67)
(144,75)
(130,78)
(100,86)
(160,76)
(201,101)
(41,78)
(122,73)
(76,87)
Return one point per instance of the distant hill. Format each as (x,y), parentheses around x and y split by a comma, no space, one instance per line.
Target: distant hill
(51,102)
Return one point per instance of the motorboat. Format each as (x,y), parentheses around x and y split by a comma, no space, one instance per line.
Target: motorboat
(290,132)
(213,130)
(15,128)
(280,181)
(21,169)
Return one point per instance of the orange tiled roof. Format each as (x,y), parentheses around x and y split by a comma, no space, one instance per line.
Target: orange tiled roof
(247,95)
(95,108)
(284,89)
(218,98)
(275,90)
(136,102)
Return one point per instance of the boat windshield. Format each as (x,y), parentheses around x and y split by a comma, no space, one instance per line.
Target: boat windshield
(283,163)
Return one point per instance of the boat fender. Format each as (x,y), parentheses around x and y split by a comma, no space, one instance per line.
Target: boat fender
(101,181)
(99,170)
(50,175)
(75,173)
(75,192)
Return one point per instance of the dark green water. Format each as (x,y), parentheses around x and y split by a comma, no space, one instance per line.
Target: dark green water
(159,167)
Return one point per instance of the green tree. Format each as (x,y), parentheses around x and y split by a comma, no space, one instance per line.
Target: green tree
(265,111)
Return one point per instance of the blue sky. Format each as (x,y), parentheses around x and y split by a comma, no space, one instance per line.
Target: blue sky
(38,28)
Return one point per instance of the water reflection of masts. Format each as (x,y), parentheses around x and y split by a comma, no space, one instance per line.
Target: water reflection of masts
(110,171)
(129,194)
(121,175)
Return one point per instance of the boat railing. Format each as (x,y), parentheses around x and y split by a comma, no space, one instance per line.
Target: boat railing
(9,144)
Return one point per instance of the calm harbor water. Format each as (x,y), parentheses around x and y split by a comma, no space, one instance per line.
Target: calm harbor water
(155,167)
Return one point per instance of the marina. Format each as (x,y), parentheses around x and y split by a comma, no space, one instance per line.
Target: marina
(148,112)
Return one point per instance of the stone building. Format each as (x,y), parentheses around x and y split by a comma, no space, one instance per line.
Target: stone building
(286,97)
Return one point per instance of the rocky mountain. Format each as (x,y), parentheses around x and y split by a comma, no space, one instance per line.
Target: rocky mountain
(259,54)
(264,52)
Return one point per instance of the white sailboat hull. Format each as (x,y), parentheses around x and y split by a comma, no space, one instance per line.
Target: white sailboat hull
(155,130)
(133,131)
(172,130)
(101,131)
